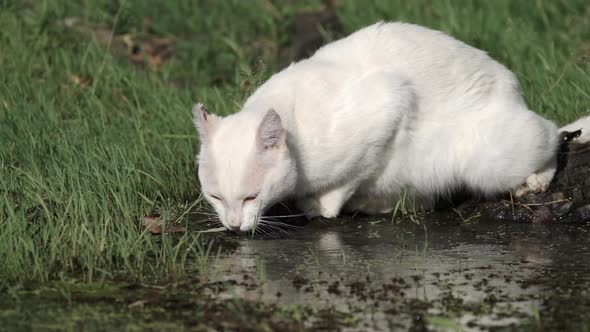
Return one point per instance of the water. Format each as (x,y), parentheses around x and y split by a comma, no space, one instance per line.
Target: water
(358,274)
(459,275)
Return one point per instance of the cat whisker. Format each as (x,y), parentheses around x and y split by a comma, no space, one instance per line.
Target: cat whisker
(208,214)
(264,230)
(212,220)
(282,224)
(208,208)
(205,212)
(289,215)
(285,206)
(275,226)
(270,233)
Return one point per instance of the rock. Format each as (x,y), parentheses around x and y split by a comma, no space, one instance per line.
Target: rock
(577,195)
(562,210)
(582,214)
(543,215)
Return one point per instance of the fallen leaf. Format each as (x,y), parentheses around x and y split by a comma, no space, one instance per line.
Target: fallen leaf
(71,21)
(156,51)
(80,81)
(156,226)
(138,303)
(142,48)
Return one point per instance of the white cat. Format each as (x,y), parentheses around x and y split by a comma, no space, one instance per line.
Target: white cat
(394,107)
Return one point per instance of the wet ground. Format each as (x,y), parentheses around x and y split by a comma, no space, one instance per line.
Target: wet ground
(461,273)
(458,275)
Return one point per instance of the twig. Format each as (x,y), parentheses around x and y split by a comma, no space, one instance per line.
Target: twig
(545,203)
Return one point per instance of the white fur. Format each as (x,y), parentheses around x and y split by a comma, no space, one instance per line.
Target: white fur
(393,107)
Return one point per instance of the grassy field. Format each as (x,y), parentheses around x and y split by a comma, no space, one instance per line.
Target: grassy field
(92,139)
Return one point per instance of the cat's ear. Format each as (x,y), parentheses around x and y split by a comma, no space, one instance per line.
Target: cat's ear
(204,121)
(271,133)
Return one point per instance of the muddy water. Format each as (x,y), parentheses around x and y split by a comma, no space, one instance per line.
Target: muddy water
(448,273)
(469,275)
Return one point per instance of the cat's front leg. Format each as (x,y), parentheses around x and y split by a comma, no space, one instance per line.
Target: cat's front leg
(310,206)
(329,203)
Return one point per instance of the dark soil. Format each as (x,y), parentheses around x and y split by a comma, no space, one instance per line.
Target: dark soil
(566,201)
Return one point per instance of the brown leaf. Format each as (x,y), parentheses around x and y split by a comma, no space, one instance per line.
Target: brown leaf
(156,226)
(79,80)
(142,48)
(138,303)
(151,51)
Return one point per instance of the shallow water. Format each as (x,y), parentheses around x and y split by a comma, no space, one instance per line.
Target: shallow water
(359,274)
(448,275)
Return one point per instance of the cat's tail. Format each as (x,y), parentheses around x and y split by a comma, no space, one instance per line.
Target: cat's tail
(582,124)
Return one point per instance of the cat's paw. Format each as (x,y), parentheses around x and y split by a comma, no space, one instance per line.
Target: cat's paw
(535,183)
(329,213)
(313,207)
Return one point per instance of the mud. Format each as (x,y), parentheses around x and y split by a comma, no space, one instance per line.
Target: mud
(479,275)
(566,201)
(448,272)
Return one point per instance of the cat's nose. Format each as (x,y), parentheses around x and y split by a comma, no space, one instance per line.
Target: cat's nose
(235,229)
(233,221)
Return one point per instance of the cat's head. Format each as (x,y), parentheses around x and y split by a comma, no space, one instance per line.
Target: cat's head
(244,165)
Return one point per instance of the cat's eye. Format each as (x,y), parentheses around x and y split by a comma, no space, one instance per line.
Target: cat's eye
(216,197)
(250,198)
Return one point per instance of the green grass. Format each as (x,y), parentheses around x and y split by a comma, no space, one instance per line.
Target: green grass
(91,159)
